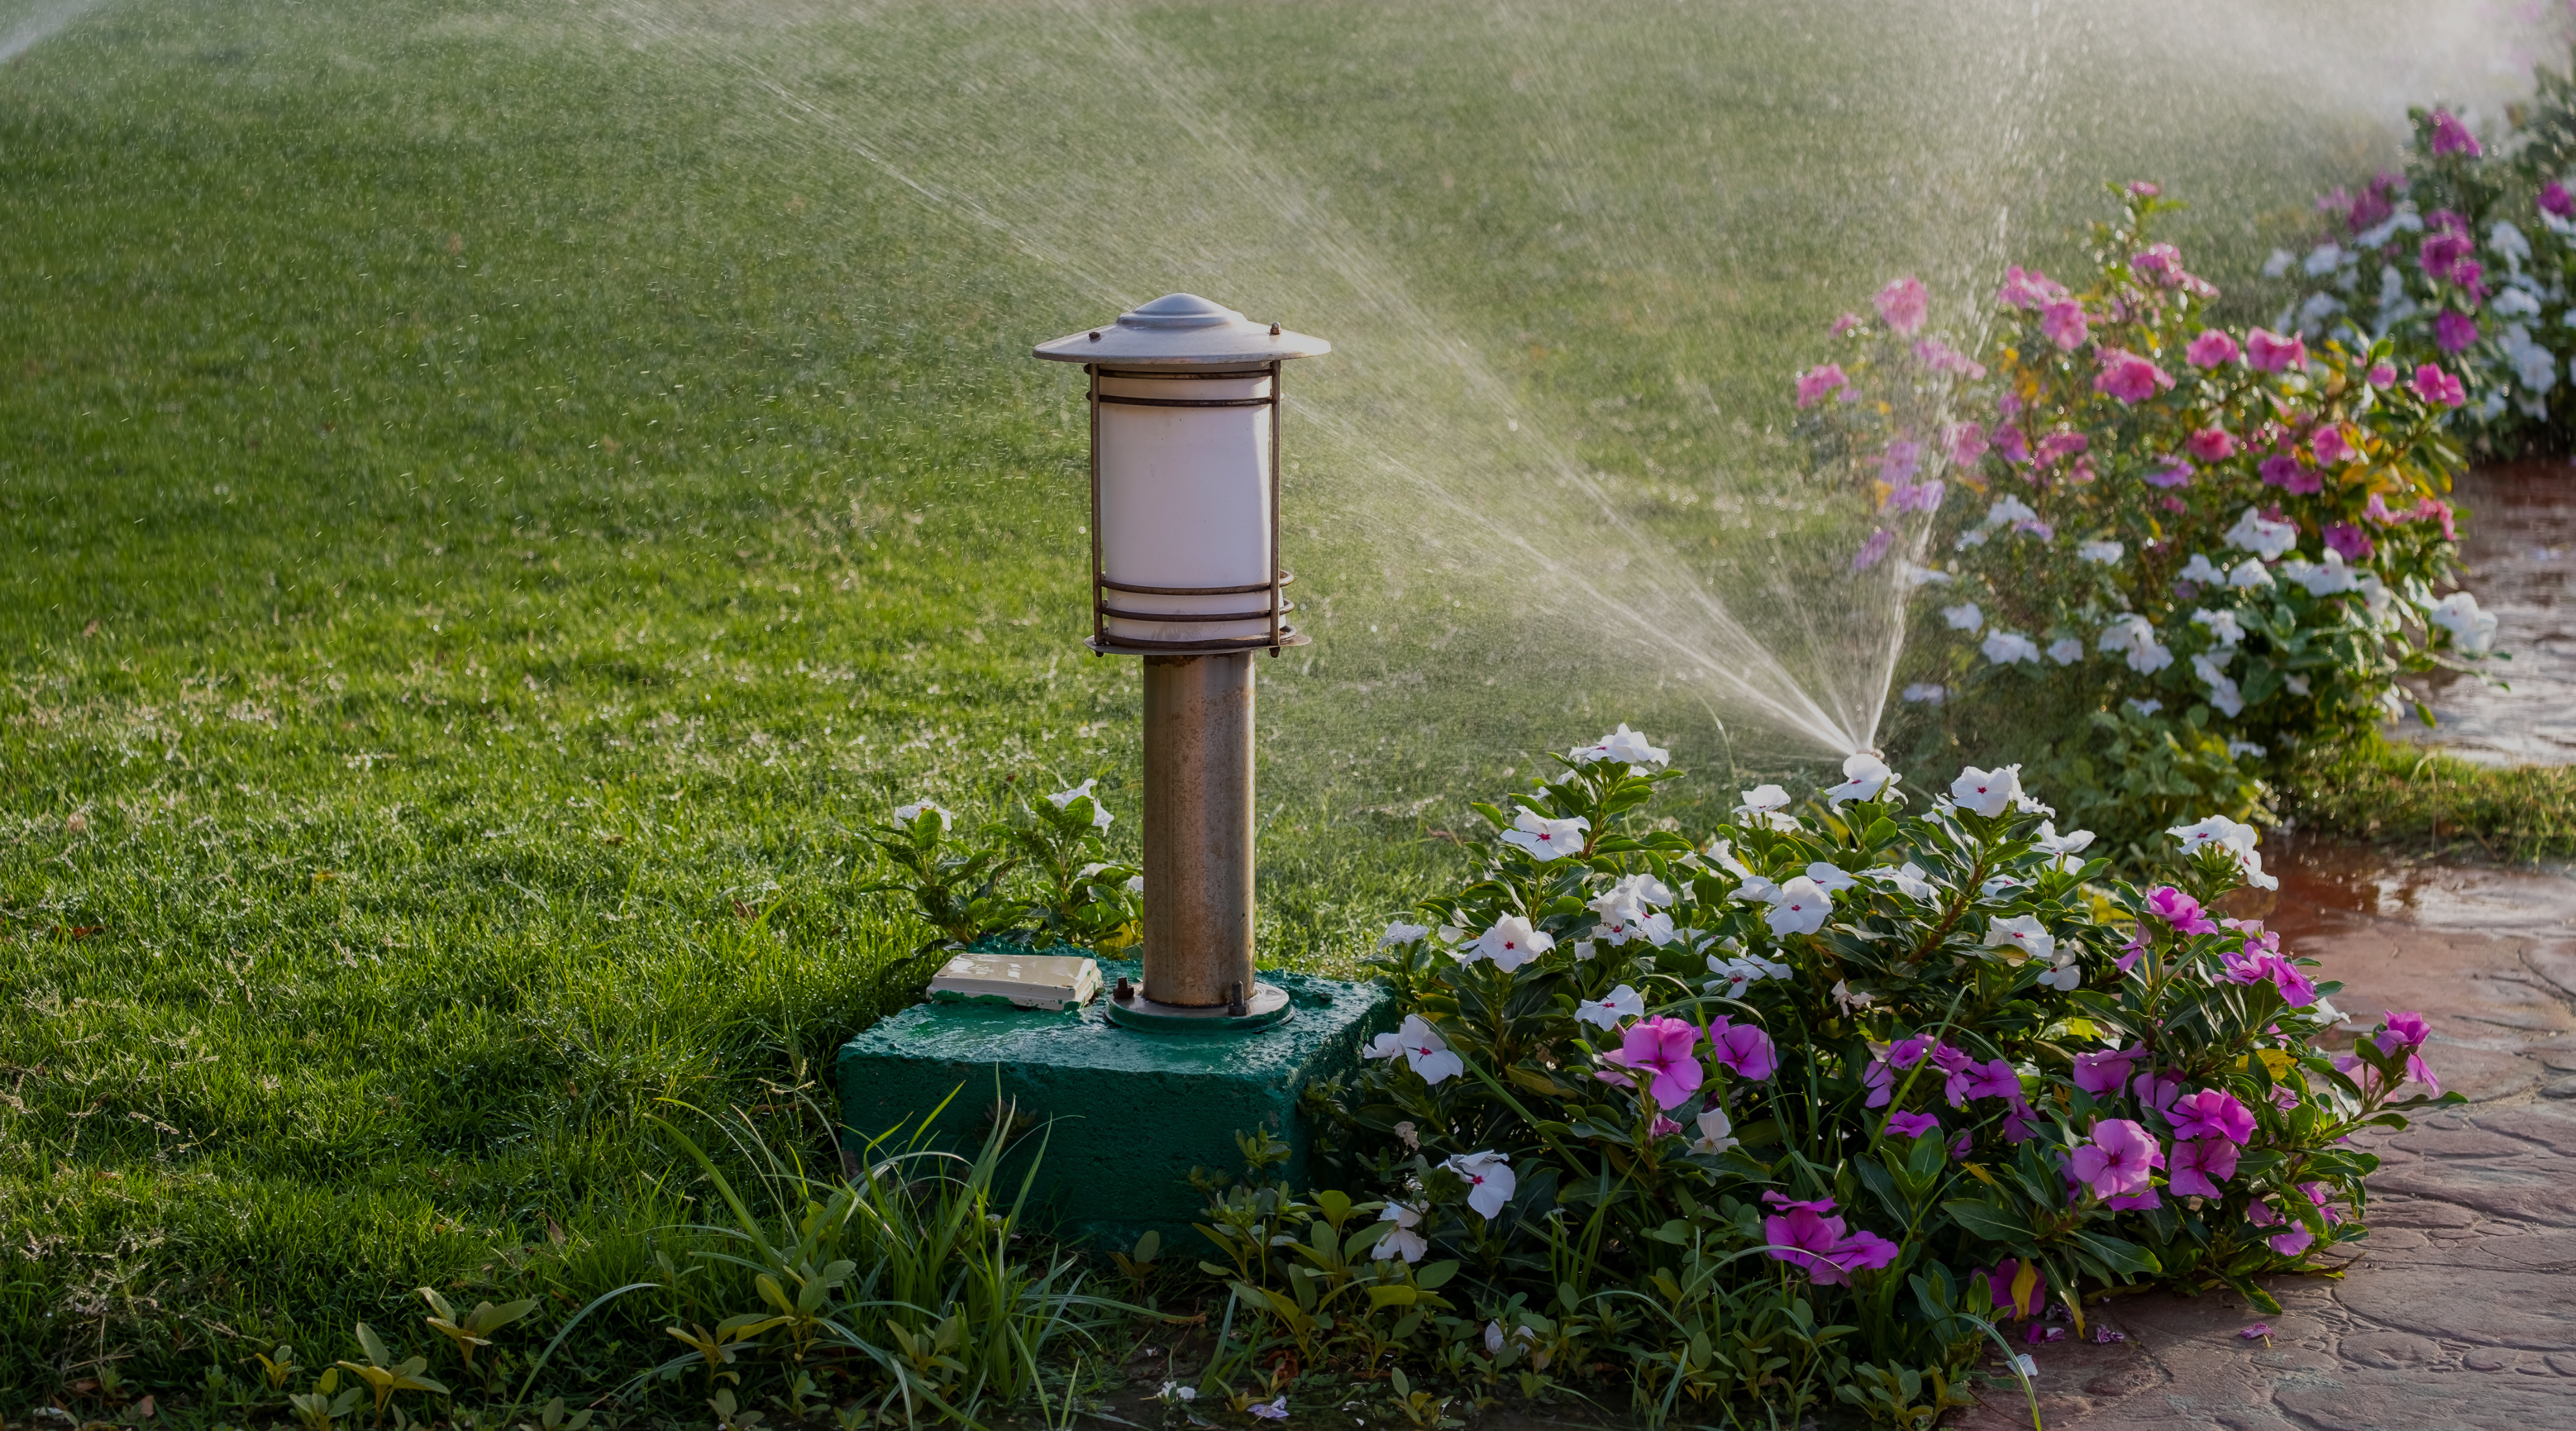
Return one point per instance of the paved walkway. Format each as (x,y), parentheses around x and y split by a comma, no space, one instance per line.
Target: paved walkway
(2461,1316)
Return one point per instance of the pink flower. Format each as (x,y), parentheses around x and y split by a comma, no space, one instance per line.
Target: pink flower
(2445,248)
(1845,324)
(1862,1251)
(1662,1047)
(2212,348)
(2155,1090)
(2383,375)
(2402,1029)
(2320,1195)
(1743,1049)
(2350,542)
(2102,1071)
(2000,1282)
(2062,444)
(2028,288)
(2554,199)
(2435,509)
(2128,377)
(1662,1127)
(2020,1120)
(2438,388)
(2173,472)
(1918,497)
(1873,550)
(1901,460)
(1911,1125)
(2331,447)
(1904,305)
(2259,1332)
(2211,1113)
(2450,136)
(2271,352)
(2016,448)
(2454,332)
(2211,444)
(1967,443)
(2121,1159)
(2286,473)
(2160,263)
(1940,357)
(1993,1079)
(1801,1234)
(1815,383)
(2064,323)
(2289,1243)
(2200,1165)
(2179,910)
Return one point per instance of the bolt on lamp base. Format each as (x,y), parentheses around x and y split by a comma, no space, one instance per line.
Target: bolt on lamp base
(1267,1004)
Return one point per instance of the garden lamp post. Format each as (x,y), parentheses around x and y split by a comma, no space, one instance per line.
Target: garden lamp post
(1185,573)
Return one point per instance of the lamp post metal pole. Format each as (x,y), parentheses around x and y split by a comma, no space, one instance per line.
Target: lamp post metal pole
(1198,829)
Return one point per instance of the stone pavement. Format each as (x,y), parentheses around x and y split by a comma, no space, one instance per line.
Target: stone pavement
(2461,1313)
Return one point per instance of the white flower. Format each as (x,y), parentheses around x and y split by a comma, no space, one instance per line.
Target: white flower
(2223,693)
(2066,974)
(1987,792)
(2022,1362)
(1626,746)
(2145,707)
(1584,949)
(1428,1054)
(1714,1131)
(1271,1410)
(1909,576)
(1801,907)
(2102,552)
(1723,851)
(1964,617)
(1997,884)
(2279,263)
(2023,932)
(1828,878)
(1404,1242)
(2008,510)
(2515,303)
(1865,776)
(2321,578)
(2222,625)
(1411,1136)
(1173,1390)
(2508,243)
(1547,839)
(2237,839)
(1489,1181)
(2236,748)
(2322,259)
(2472,630)
(2264,538)
(1744,970)
(1849,1002)
(1925,693)
(1400,932)
(2066,650)
(1642,889)
(2052,843)
(1511,943)
(1136,884)
(906,814)
(1062,798)
(2005,647)
(1970,539)
(2249,575)
(1623,1003)
(1755,890)
(2132,636)
(2202,570)
(1762,800)
(1908,879)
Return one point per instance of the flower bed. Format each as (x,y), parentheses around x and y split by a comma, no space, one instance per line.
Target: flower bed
(1800,1108)
(2184,554)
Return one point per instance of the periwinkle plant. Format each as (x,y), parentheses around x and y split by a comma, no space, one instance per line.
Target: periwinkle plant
(1872,1078)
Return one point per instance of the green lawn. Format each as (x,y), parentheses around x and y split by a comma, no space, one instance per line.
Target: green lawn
(494,496)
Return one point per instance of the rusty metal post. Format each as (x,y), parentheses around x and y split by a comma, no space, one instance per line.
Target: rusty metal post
(1198,829)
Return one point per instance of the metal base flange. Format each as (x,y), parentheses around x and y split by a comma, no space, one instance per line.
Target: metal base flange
(1267,1005)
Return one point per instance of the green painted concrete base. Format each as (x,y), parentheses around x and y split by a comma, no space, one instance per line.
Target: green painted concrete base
(1127,1113)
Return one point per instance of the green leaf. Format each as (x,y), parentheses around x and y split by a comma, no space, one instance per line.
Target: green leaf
(1989,1221)
(1435,1276)
(2118,1254)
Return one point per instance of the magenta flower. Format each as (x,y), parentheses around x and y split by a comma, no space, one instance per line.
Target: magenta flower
(2064,323)
(2143,189)
(2453,332)
(2435,509)
(2103,1071)
(2403,1029)
(1862,1251)
(2155,1090)
(2554,199)
(1661,1047)
(2200,1165)
(2121,1159)
(1820,380)
(2128,377)
(1872,550)
(2289,1243)
(2160,263)
(2179,910)
(2272,352)
(2212,348)
(2297,990)
(2020,1121)
(2028,288)
(2320,1195)
(2062,444)
(1743,1049)
(2383,375)
(1999,1283)
(2450,136)
(1846,324)
(2286,473)
(2016,448)
(1904,305)
(2331,447)
(2173,472)
(2438,388)
(2445,249)
(1801,1234)
(1901,461)
(1967,443)
(1940,357)
(1994,1079)
(1911,1125)
(1662,1127)
(2211,1113)
(1951,1060)
(2350,542)
(2211,444)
